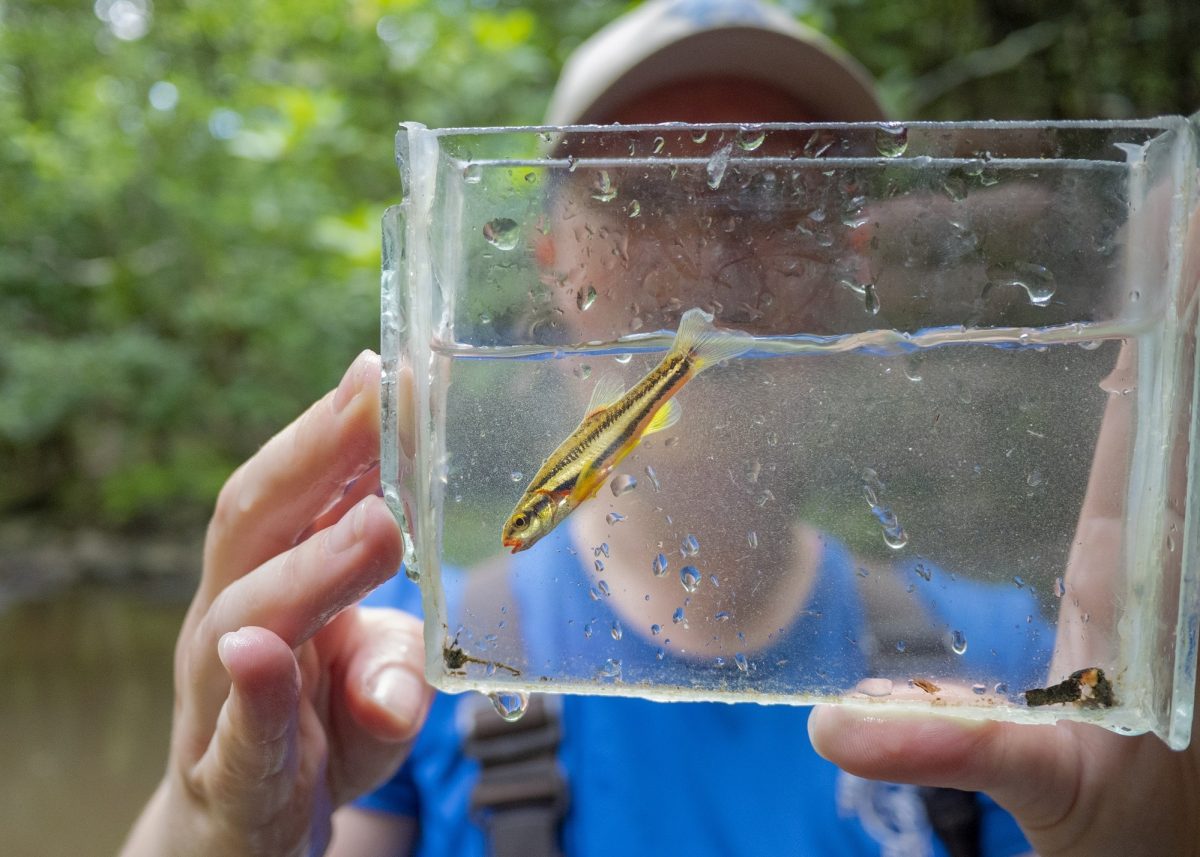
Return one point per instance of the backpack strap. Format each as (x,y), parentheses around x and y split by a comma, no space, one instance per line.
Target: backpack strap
(521,795)
(892,616)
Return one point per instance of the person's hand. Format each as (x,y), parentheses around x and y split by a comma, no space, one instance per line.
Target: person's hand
(288,704)
(1075,789)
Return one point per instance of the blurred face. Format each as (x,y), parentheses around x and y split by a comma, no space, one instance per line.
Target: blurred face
(630,249)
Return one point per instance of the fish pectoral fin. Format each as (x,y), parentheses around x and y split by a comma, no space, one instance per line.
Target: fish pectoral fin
(557,497)
(589,482)
(608,389)
(666,417)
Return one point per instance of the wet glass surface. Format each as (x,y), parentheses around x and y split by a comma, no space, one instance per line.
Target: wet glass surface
(953,356)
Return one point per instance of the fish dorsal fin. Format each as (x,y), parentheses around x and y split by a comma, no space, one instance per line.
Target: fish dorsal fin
(708,344)
(666,417)
(608,389)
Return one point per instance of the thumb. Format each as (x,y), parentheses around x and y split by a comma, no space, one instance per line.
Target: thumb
(1032,771)
(250,765)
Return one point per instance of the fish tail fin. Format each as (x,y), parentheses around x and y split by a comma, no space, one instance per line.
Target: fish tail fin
(707,344)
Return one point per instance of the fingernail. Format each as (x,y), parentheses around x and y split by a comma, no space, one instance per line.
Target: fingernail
(347,532)
(399,691)
(353,381)
(225,646)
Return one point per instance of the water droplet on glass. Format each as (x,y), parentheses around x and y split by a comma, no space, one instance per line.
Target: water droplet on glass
(891,139)
(510,706)
(875,687)
(1034,479)
(772,439)
(587,630)
(635,208)
(604,588)
(678,616)
(516,476)
(1018,581)
(599,564)
(582,372)
(656,629)
(611,668)
(623,358)
(603,190)
(601,550)
(659,565)
(955,188)
(749,139)
(699,137)
(502,233)
(622,483)
(690,546)
(870,298)
(901,645)
(1001,689)
(752,539)
(958,642)
(472,173)
(722,616)
(689,577)
(717,165)
(616,630)
(979,689)
(531,177)
(712,578)
(659,142)
(614,518)
(1060,588)
(653,477)
(923,571)
(742,663)
(585,299)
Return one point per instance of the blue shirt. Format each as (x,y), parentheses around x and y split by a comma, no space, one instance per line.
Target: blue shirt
(706,778)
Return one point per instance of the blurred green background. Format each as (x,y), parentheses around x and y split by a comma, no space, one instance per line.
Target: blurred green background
(190,195)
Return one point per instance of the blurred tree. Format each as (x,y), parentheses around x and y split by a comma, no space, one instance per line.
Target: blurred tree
(189,234)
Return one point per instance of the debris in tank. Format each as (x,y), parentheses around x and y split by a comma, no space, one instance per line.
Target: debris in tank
(1088,688)
(926,685)
(455,659)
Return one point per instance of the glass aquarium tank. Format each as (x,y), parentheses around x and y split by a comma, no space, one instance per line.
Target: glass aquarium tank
(942,452)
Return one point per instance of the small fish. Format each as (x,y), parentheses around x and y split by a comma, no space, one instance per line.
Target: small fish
(615,423)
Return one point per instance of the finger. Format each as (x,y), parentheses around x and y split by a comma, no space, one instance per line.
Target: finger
(292,595)
(355,490)
(380,697)
(249,767)
(271,499)
(1032,771)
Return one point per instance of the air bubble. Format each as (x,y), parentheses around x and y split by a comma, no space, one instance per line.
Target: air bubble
(958,642)
(690,578)
(690,546)
(752,539)
(603,586)
(979,689)
(510,706)
(635,208)
(655,629)
(502,233)
(622,483)
(750,139)
(603,190)
(614,518)
(611,668)
(616,630)
(653,477)
(891,139)
(1060,588)
(585,299)
(516,476)
(623,358)
(722,616)
(717,165)
(742,663)
(659,565)
(678,616)
(875,687)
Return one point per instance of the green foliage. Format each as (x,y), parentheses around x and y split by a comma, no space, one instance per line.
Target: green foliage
(191,195)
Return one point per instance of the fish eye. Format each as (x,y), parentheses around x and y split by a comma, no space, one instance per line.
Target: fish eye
(520,522)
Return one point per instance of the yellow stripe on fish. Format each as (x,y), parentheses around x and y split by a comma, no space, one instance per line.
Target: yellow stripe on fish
(615,423)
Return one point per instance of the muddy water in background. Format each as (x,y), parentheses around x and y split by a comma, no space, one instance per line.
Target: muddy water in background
(85,716)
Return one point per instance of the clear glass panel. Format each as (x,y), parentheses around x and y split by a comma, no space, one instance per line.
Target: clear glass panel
(949,463)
